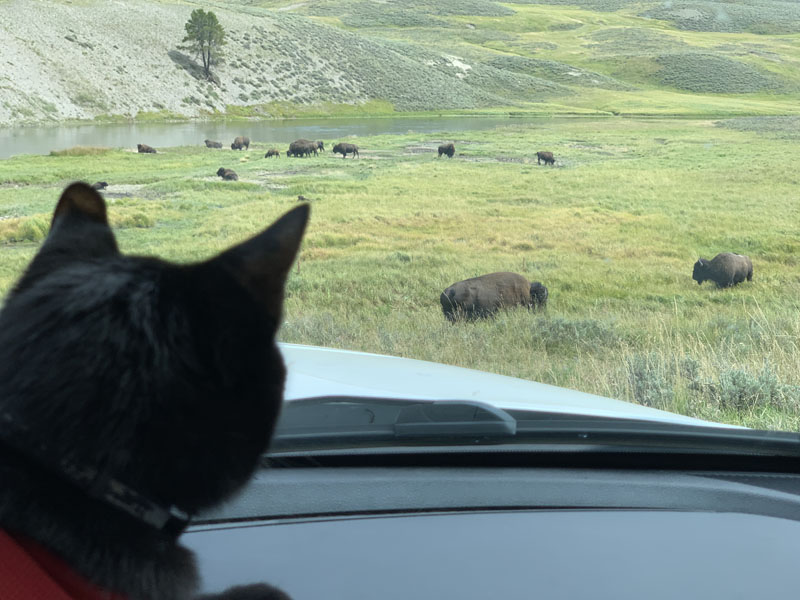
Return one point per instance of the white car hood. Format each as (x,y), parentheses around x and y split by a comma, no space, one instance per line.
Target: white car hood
(315,371)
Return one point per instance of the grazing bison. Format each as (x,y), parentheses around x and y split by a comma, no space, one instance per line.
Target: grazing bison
(241,142)
(213,144)
(302,148)
(539,295)
(485,295)
(725,269)
(547,157)
(448,149)
(227,174)
(145,149)
(344,149)
(272,152)
(99,185)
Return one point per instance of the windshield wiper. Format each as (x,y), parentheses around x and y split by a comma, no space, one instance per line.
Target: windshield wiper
(321,421)
(331,423)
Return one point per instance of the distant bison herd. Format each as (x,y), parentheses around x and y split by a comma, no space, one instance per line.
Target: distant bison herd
(303,148)
(483,296)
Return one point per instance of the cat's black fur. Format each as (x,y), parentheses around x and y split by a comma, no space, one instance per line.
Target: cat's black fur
(165,377)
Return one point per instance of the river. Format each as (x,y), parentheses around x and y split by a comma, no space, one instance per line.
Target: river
(42,140)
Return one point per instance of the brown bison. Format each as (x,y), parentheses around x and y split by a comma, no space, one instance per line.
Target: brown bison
(145,149)
(547,157)
(213,144)
(539,295)
(241,142)
(725,269)
(99,185)
(302,147)
(485,295)
(321,146)
(227,174)
(344,149)
(272,152)
(448,149)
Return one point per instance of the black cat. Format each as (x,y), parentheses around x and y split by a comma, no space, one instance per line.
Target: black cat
(134,392)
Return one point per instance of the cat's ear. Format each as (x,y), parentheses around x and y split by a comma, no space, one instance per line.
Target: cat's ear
(262,263)
(81,201)
(79,230)
(80,223)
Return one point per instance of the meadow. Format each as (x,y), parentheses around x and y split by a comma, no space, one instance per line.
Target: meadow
(613,231)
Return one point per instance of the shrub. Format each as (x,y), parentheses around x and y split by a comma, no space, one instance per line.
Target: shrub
(636,41)
(763,17)
(742,391)
(24,229)
(129,220)
(81,151)
(556,71)
(651,381)
(704,73)
(785,127)
(561,333)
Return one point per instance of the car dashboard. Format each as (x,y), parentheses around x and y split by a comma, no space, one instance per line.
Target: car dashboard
(508,532)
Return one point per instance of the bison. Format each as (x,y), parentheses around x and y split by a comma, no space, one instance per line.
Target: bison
(99,185)
(725,269)
(241,142)
(321,146)
(344,149)
(272,152)
(539,295)
(227,174)
(302,147)
(547,157)
(485,295)
(448,149)
(145,149)
(213,144)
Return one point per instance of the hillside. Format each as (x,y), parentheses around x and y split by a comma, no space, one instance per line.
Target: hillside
(93,59)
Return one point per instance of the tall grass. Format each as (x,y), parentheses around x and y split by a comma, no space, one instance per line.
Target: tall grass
(81,151)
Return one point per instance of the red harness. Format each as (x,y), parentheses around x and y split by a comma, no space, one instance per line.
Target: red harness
(28,571)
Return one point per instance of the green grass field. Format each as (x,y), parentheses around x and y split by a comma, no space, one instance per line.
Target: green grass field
(613,231)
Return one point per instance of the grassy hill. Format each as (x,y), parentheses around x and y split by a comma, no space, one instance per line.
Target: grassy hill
(91,59)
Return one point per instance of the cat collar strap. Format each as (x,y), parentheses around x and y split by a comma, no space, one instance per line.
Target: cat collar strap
(170,520)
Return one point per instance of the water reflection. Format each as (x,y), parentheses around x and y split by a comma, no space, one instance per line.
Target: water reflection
(41,140)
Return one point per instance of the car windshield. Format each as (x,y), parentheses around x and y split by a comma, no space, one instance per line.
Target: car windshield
(594,199)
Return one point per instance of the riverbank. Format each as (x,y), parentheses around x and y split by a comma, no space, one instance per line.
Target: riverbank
(279,133)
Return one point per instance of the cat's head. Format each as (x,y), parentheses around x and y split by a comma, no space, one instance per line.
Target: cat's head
(163,376)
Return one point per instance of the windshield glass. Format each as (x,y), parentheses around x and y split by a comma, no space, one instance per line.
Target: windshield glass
(598,195)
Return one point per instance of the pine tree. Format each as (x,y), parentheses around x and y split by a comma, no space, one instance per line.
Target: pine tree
(205,37)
